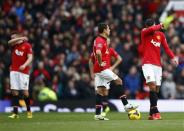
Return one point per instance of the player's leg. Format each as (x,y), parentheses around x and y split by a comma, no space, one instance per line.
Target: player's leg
(149,74)
(105,108)
(99,104)
(118,82)
(153,98)
(24,84)
(27,101)
(99,87)
(158,75)
(108,75)
(14,85)
(15,103)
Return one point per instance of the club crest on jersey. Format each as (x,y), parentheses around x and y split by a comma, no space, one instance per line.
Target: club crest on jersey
(158,37)
(107,52)
(19,53)
(157,44)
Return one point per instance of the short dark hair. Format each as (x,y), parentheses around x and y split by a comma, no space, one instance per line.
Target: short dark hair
(149,22)
(101,27)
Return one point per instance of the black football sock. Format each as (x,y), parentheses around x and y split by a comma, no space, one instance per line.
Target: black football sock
(98,104)
(153,102)
(27,101)
(124,99)
(15,109)
(121,95)
(15,104)
(105,102)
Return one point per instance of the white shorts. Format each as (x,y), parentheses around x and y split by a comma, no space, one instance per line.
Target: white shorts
(19,81)
(152,73)
(104,78)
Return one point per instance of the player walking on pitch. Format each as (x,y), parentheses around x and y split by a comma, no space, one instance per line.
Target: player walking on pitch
(151,41)
(21,56)
(103,73)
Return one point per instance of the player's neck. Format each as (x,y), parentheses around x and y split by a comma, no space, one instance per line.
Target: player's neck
(103,35)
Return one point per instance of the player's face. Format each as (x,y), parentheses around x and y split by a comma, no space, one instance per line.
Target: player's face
(107,31)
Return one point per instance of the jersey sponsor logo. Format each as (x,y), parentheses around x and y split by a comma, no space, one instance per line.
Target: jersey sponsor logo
(157,44)
(19,53)
(99,45)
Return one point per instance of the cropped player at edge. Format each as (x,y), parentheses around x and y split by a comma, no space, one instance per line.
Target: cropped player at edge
(151,41)
(103,73)
(21,53)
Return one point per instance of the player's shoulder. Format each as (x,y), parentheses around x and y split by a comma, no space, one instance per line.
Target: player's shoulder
(160,33)
(27,44)
(111,49)
(99,39)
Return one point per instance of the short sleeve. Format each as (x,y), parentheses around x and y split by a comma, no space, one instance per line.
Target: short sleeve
(113,52)
(29,49)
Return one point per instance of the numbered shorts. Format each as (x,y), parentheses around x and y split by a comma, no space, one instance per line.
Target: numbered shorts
(104,78)
(152,73)
(19,81)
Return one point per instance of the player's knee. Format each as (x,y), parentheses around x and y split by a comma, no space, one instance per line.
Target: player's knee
(118,82)
(152,86)
(101,91)
(26,94)
(15,93)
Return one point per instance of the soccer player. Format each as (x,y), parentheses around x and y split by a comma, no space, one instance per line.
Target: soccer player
(21,58)
(151,41)
(118,60)
(103,74)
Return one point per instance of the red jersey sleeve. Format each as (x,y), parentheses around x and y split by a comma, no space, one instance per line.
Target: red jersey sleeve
(29,49)
(98,44)
(151,29)
(166,47)
(113,52)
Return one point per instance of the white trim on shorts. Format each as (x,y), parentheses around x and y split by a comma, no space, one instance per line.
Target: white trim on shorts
(104,78)
(19,81)
(152,73)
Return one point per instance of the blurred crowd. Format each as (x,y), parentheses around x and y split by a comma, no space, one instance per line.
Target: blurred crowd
(62,33)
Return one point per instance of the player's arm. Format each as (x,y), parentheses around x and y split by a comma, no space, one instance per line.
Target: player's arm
(117,62)
(17,40)
(99,58)
(153,28)
(28,62)
(169,52)
(91,68)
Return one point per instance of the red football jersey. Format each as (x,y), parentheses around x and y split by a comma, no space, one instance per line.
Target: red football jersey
(19,56)
(107,53)
(100,43)
(151,41)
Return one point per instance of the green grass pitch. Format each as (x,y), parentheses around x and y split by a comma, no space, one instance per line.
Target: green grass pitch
(85,122)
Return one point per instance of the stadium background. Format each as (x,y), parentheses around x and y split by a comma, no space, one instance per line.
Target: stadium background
(62,32)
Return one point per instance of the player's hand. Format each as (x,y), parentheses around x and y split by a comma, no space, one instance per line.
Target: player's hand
(162,26)
(111,68)
(103,64)
(174,61)
(22,67)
